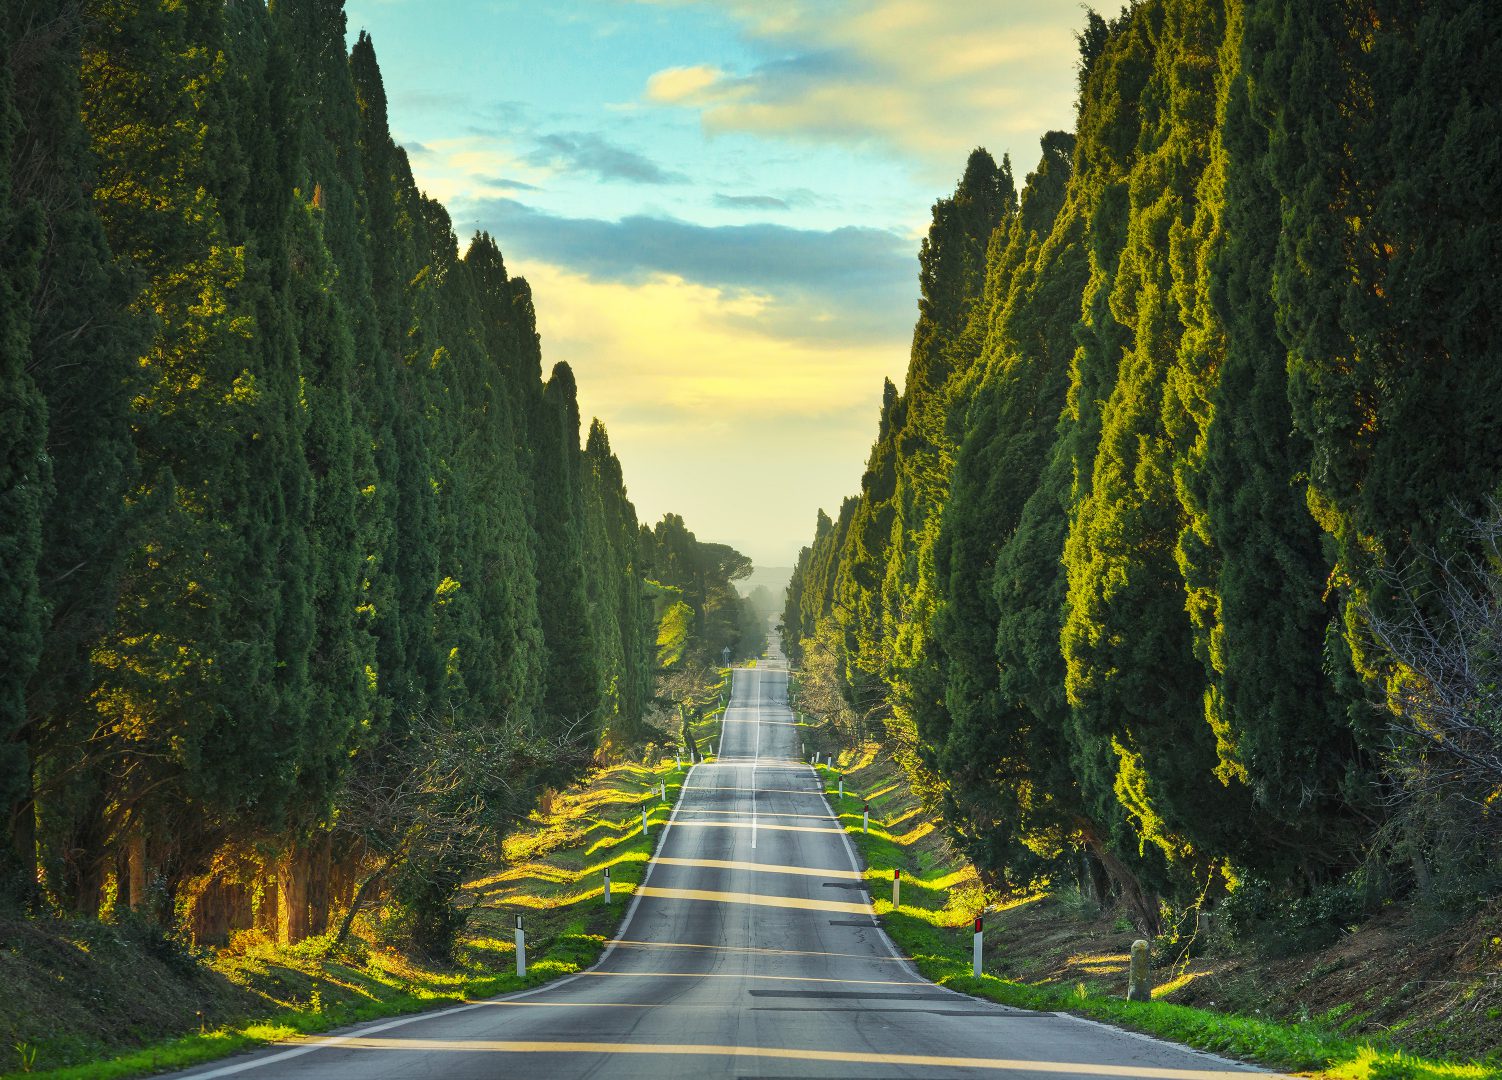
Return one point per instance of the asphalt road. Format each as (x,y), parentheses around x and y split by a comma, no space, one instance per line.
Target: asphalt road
(750,951)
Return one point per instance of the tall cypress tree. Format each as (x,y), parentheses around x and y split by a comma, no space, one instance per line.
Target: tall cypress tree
(946,345)
(506,573)
(572,690)
(1250,552)
(84,347)
(190,689)
(24,477)
(331,185)
(629,663)
(992,749)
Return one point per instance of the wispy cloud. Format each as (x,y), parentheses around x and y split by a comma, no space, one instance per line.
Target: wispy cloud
(750,202)
(590,152)
(507,183)
(929,78)
(807,284)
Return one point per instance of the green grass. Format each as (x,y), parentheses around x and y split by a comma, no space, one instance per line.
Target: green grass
(933,928)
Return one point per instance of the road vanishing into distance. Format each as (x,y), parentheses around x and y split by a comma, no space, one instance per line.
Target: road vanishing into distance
(750,951)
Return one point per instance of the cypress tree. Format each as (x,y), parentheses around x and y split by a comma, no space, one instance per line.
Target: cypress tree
(189,686)
(630,660)
(1128,643)
(1384,276)
(856,597)
(84,346)
(572,689)
(503,570)
(25,477)
(331,183)
(1250,553)
(946,345)
(992,749)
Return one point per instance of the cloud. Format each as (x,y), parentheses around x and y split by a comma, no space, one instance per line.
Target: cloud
(802,284)
(925,77)
(673,86)
(751,202)
(506,183)
(585,151)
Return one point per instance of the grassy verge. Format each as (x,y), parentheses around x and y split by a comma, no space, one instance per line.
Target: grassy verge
(933,927)
(553,876)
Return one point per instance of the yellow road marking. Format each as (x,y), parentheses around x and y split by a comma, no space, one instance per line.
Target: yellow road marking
(499,1046)
(752,949)
(746,825)
(795,903)
(765,868)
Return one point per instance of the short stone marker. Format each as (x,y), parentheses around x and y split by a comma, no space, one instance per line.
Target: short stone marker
(1140,981)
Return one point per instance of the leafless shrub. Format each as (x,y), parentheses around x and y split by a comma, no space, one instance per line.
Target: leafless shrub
(1443,627)
(445,790)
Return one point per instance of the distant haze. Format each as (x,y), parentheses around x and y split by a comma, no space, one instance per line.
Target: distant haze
(775,578)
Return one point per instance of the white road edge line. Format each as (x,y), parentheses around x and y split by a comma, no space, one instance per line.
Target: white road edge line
(363,1030)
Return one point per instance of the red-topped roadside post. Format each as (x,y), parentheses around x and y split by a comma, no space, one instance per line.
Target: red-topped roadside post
(978,936)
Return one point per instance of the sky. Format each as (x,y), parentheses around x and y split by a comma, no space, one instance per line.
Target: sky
(719,205)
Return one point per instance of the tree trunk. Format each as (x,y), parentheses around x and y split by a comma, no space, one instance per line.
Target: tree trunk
(361,895)
(209,922)
(320,856)
(269,912)
(135,875)
(292,888)
(23,831)
(1141,904)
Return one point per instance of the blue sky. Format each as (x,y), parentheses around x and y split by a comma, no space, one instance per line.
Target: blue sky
(719,205)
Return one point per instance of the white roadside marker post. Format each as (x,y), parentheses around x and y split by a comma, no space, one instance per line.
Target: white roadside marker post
(897,888)
(644,831)
(976,963)
(521,950)
(865,817)
(842,787)
(664,791)
(678,760)
(829,761)
(607,885)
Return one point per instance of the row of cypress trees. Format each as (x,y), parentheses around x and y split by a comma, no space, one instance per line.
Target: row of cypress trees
(279,471)
(1174,414)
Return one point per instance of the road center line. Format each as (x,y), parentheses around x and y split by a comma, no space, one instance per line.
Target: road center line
(756,754)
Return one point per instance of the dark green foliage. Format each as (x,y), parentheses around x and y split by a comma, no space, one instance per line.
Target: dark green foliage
(24,471)
(83,348)
(572,692)
(614,559)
